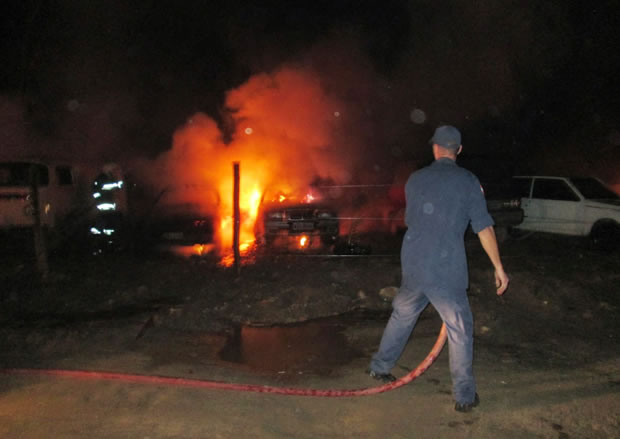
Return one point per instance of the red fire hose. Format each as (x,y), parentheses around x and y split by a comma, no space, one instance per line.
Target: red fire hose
(186,382)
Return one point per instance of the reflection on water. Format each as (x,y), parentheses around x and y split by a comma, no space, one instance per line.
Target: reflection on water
(312,347)
(225,257)
(187,251)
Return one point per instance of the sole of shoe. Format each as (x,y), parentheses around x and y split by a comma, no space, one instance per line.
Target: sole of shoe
(384,377)
(467,407)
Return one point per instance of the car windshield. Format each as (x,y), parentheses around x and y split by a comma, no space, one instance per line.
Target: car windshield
(592,189)
(287,197)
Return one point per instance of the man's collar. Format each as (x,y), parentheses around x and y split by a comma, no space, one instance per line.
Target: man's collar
(445,160)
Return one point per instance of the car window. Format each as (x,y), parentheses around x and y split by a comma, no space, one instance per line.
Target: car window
(592,189)
(522,186)
(553,189)
(64,176)
(19,174)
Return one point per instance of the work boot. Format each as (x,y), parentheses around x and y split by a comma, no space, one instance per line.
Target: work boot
(466,407)
(385,377)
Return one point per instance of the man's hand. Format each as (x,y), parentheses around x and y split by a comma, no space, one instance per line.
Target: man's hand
(501,281)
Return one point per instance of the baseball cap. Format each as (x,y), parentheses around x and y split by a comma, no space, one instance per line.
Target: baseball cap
(447,136)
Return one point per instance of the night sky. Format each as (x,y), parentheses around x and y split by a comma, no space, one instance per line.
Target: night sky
(533,82)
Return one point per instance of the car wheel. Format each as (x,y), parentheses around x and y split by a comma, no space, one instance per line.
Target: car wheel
(328,239)
(605,236)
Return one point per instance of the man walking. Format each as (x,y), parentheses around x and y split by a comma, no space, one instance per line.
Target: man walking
(442,200)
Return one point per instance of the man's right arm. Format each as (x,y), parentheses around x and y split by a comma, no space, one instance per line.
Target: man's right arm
(489,244)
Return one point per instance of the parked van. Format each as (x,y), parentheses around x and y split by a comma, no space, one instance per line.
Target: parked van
(57,190)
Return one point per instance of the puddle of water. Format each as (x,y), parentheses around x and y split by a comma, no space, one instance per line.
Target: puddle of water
(315,347)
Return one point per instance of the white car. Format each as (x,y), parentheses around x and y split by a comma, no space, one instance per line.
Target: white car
(579,206)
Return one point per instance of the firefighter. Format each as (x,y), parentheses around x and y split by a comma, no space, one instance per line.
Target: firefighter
(109,197)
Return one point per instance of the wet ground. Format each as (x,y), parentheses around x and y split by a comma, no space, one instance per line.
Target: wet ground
(316,347)
(546,353)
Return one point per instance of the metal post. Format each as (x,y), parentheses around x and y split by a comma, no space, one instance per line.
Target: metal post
(40,248)
(236,218)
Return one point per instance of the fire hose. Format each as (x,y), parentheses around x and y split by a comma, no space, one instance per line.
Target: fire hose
(197,383)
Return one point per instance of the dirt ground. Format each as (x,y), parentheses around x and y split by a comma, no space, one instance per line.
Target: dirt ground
(546,354)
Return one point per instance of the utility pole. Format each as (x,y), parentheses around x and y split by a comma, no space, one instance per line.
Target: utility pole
(236,218)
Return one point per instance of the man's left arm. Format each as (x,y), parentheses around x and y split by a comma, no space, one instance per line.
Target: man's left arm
(489,244)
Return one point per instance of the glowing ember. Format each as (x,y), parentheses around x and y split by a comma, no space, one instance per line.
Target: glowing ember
(309,198)
(303,241)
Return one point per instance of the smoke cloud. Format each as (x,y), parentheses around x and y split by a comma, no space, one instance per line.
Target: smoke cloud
(13,135)
(287,132)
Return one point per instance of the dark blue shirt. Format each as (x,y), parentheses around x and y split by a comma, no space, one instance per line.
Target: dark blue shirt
(442,199)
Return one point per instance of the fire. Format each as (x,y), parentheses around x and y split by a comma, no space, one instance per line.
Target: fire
(254,202)
(309,198)
(284,138)
(249,203)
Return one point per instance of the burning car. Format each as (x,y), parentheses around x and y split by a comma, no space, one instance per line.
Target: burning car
(302,224)
(180,218)
(183,225)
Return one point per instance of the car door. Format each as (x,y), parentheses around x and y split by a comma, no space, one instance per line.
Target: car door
(523,189)
(553,207)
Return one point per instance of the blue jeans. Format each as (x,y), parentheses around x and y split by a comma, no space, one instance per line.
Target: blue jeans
(453,307)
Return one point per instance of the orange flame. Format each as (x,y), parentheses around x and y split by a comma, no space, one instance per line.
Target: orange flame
(286,127)
(249,202)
